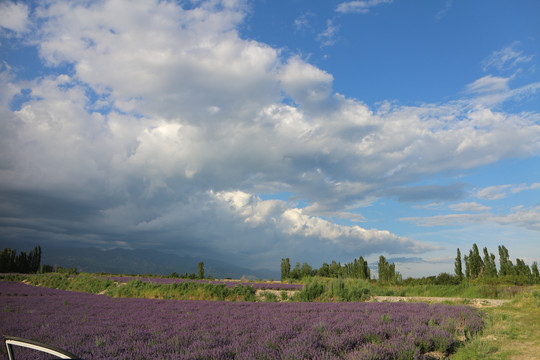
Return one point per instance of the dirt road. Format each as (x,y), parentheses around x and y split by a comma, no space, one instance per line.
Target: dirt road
(472,302)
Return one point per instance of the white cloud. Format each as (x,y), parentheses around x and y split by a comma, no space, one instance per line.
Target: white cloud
(442,13)
(470,206)
(488,84)
(520,216)
(293,222)
(501,191)
(523,187)
(14,16)
(302,22)
(160,58)
(192,109)
(360,7)
(493,192)
(308,85)
(329,36)
(507,58)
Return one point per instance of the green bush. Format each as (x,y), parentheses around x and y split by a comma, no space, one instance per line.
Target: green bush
(269,296)
(311,291)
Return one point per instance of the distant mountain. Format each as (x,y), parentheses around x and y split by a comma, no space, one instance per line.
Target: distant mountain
(143,261)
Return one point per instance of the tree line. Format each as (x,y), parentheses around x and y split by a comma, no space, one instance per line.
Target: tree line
(357,269)
(23,263)
(476,268)
(191,276)
(485,268)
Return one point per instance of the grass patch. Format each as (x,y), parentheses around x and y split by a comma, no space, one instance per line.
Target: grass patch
(512,331)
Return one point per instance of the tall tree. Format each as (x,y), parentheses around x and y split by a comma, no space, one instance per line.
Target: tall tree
(523,270)
(200,274)
(364,271)
(383,275)
(535,273)
(476,263)
(490,269)
(506,266)
(457,266)
(285,269)
(22,263)
(467,262)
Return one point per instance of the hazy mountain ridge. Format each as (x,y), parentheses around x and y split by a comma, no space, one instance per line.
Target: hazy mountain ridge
(140,261)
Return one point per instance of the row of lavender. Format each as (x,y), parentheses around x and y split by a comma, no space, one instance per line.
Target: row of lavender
(100,327)
(230,284)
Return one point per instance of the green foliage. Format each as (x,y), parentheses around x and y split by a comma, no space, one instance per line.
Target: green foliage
(485,271)
(22,263)
(490,269)
(301,271)
(358,269)
(285,269)
(349,290)
(387,272)
(54,280)
(269,296)
(89,284)
(457,266)
(13,277)
(535,273)
(311,291)
(506,267)
(512,331)
(473,263)
(183,291)
(200,270)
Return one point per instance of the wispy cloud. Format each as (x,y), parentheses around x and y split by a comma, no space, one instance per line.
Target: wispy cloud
(520,216)
(443,11)
(488,84)
(492,90)
(523,187)
(507,58)
(469,206)
(360,7)
(501,191)
(302,22)
(330,34)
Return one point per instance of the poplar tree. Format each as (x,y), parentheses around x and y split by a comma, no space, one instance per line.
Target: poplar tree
(457,266)
(467,266)
(506,266)
(476,263)
(201,270)
(490,269)
(383,275)
(285,269)
(535,273)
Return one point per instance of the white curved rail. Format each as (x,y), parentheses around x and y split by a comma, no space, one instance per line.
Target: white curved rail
(10,341)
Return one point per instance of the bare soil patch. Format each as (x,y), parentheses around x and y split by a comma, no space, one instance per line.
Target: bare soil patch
(473,302)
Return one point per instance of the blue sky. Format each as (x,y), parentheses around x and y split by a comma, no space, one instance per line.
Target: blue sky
(254,130)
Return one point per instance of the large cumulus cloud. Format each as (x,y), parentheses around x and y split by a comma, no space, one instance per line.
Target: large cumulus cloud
(159,124)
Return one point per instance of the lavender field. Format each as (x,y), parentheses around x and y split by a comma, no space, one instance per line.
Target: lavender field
(100,327)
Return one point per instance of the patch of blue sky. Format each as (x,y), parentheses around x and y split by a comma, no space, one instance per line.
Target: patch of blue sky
(284,196)
(433,60)
(22,60)
(19,99)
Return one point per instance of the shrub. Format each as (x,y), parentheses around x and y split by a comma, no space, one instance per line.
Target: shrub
(313,289)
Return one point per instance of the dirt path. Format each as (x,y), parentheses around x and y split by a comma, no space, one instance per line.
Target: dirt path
(472,302)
